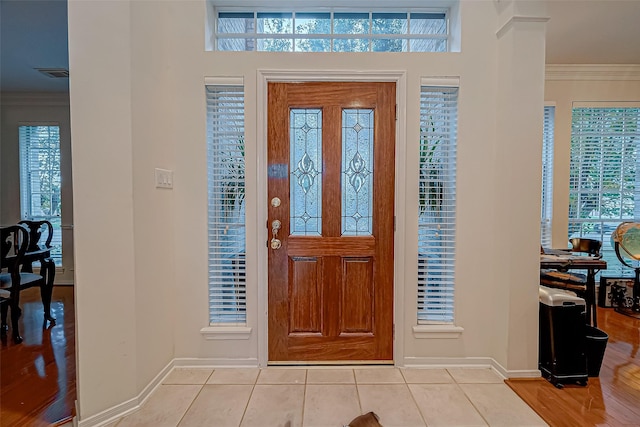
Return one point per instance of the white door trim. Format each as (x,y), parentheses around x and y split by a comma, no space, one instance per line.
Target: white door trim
(266,76)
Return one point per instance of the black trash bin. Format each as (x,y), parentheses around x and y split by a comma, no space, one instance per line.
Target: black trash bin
(596,344)
(562,343)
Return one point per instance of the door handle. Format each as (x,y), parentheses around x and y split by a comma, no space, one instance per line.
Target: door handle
(275,242)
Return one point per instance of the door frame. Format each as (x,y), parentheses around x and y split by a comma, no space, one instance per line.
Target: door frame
(266,76)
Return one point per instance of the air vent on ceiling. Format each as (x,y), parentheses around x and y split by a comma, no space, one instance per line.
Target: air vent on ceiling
(56,73)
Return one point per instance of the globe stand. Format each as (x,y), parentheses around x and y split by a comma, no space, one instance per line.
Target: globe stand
(626,307)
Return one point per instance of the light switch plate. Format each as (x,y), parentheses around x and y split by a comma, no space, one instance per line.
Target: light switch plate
(164,178)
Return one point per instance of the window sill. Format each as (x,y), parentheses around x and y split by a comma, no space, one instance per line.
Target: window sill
(226,332)
(437,331)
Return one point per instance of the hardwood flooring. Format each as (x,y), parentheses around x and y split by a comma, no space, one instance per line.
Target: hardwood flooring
(38,377)
(613,399)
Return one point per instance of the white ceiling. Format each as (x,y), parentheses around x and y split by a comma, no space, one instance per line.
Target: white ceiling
(33,35)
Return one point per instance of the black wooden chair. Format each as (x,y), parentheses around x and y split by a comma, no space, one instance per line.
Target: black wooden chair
(570,280)
(14,244)
(39,250)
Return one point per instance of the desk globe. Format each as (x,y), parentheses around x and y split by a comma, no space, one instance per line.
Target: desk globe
(626,242)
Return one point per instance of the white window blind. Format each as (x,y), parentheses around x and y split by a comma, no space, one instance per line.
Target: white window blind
(40,179)
(437,204)
(226,204)
(604,182)
(546,212)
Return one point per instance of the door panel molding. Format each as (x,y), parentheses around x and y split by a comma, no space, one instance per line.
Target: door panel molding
(263,78)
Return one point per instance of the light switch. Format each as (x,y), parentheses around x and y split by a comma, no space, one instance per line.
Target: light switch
(164,178)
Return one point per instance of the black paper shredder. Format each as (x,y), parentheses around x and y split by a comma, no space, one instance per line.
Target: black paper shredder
(562,343)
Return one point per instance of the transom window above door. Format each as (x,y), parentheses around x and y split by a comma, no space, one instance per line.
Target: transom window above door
(331,31)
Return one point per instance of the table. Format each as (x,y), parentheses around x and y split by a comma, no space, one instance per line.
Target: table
(563,260)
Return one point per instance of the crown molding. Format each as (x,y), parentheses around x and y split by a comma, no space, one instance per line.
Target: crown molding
(34,98)
(593,72)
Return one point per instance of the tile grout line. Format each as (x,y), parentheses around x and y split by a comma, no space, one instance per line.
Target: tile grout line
(471,401)
(406,384)
(196,396)
(246,406)
(357,391)
(304,396)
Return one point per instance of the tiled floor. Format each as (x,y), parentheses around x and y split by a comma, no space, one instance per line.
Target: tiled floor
(331,397)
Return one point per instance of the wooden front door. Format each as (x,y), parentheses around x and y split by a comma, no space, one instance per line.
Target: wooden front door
(331,148)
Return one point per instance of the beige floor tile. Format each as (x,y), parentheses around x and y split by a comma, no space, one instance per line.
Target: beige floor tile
(275,406)
(164,408)
(378,376)
(445,405)
(500,406)
(330,376)
(282,376)
(393,403)
(427,376)
(330,405)
(475,376)
(218,405)
(188,376)
(234,376)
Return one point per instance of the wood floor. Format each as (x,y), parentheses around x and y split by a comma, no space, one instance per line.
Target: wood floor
(37,377)
(613,399)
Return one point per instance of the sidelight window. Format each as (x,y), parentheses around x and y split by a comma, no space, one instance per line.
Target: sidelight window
(226,203)
(437,204)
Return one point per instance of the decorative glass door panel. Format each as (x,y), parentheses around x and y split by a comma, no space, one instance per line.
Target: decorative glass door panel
(306,173)
(357,178)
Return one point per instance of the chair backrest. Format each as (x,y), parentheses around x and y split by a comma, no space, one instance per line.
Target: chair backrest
(588,246)
(36,229)
(14,241)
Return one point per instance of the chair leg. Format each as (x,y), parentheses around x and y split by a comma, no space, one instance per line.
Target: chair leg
(46,290)
(4,310)
(16,312)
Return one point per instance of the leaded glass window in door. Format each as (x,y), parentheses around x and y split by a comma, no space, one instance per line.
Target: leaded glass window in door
(306,171)
(357,172)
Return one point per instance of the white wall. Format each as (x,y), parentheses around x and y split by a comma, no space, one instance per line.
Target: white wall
(36,108)
(138,102)
(566,84)
(122,121)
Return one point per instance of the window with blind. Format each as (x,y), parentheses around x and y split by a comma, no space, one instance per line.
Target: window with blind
(437,204)
(326,31)
(40,197)
(604,181)
(546,212)
(226,203)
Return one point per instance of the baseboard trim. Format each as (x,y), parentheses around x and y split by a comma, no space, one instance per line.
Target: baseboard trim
(63,282)
(469,362)
(185,362)
(128,407)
